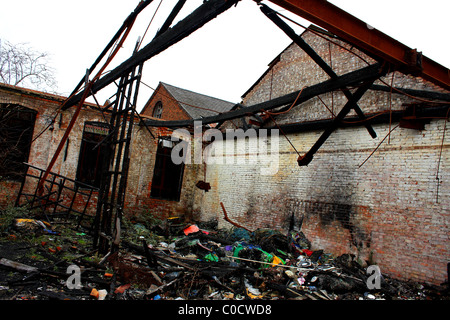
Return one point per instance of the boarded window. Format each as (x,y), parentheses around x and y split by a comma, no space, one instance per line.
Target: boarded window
(167,176)
(92,153)
(16,134)
(157,111)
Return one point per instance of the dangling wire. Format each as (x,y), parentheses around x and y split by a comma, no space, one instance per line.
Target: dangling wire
(440,156)
(390,106)
(149,24)
(290,108)
(389,133)
(282,132)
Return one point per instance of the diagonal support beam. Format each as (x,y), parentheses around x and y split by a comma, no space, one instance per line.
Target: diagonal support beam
(199,17)
(272,15)
(307,157)
(126,25)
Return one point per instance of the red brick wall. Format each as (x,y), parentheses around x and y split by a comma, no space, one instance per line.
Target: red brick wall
(46,141)
(171,108)
(143,150)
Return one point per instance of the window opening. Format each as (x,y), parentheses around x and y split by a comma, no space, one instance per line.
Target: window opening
(157,111)
(167,176)
(92,153)
(16,134)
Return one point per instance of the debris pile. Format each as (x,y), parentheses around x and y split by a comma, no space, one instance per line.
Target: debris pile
(178,261)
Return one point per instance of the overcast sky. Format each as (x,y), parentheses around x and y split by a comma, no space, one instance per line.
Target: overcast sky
(222,59)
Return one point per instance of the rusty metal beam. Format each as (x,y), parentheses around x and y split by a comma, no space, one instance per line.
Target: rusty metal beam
(371,40)
(126,25)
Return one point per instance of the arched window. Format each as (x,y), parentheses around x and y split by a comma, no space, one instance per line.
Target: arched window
(157,110)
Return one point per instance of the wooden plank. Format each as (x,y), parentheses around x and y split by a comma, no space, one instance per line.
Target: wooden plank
(17,265)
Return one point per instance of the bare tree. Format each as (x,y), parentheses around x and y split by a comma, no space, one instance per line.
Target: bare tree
(23,66)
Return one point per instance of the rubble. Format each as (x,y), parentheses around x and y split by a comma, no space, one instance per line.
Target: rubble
(188,262)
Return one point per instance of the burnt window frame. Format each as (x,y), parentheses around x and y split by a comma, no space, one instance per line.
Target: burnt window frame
(164,169)
(16,122)
(92,142)
(157,110)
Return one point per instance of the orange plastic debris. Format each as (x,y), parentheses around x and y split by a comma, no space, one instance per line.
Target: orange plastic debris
(94,293)
(191,229)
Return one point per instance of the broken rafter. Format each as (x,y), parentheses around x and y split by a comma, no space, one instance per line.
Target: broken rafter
(382,117)
(171,17)
(272,15)
(413,93)
(353,78)
(126,25)
(306,159)
(203,14)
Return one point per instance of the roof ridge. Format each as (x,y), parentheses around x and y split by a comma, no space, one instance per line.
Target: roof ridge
(194,92)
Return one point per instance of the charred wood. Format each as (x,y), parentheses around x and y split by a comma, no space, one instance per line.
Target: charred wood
(203,14)
(349,79)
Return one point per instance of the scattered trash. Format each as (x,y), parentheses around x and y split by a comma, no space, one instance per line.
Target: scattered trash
(94,293)
(102,294)
(179,261)
(33,225)
(122,288)
(99,294)
(191,229)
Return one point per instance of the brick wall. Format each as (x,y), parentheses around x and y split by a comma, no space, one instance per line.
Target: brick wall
(143,151)
(46,141)
(389,210)
(171,109)
(138,199)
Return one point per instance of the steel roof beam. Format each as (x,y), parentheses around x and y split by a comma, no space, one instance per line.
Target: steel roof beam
(369,39)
